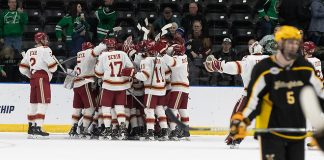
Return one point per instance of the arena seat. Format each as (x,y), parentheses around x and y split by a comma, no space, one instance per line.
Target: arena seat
(34,16)
(30,30)
(146,6)
(53,16)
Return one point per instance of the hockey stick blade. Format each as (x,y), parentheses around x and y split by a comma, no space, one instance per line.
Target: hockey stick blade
(311,107)
(173,118)
(167,26)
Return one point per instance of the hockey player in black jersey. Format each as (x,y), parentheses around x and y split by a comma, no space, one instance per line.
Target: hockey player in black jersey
(273,99)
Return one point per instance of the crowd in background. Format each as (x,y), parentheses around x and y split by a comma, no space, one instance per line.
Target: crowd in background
(75,28)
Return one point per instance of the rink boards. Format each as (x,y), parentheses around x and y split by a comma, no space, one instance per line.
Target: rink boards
(209,108)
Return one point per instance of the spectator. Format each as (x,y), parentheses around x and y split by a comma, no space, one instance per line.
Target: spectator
(69,23)
(8,63)
(172,31)
(107,19)
(166,18)
(294,13)
(12,22)
(316,29)
(268,15)
(193,15)
(227,53)
(269,44)
(199,47)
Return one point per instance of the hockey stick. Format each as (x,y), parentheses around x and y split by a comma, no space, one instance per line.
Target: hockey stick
(81,78)
(168,113)
(311,107)
(69,59)
(59,64)
(260,130)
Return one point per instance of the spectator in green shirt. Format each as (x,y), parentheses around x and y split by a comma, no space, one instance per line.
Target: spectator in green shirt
(268,15)
(66,26)
(12,22)
(107,19)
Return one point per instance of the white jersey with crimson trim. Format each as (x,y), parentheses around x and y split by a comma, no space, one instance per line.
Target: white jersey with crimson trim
(179,75)
(109,67)
(39,58)
(137,86)
(86,61)
(243,67)
(159,76)
(317,66)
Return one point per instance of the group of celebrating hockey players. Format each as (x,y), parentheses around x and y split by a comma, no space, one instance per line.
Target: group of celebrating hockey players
(121,90)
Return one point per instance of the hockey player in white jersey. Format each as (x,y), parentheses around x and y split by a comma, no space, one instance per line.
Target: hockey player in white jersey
(153,72)
(38,64)
(309,49)
(84,96)
(243,68)
(109,67)
(178,98)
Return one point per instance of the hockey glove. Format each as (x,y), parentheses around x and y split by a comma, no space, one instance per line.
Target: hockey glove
(238,126)
(213,65)
(128,72)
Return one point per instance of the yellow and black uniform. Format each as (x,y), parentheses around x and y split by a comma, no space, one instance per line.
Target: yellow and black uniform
(273,99)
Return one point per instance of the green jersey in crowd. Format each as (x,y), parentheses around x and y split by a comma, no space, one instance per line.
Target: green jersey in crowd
(107,19)
(12,23)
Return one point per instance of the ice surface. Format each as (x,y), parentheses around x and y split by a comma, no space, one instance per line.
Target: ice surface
(15,146)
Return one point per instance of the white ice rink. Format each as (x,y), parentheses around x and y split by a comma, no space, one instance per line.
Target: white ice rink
(15,146)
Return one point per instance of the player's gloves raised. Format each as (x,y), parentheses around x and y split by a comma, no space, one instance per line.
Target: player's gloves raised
(213,65)
(238,126)
(128,72)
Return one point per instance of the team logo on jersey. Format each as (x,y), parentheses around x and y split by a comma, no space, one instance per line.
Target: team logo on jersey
(289,85)
(274,70)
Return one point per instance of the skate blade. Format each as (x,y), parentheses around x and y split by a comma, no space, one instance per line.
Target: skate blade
(234,146)
(104,138)
(174,139)
(41,137)
(30,136)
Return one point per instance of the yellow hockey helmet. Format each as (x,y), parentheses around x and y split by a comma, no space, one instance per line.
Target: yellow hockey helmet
(287,32)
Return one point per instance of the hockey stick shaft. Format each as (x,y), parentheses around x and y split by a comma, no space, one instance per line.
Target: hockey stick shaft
(85,79)
(59,64)
(69,59)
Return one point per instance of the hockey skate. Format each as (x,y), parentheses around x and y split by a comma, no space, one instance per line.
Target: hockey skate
(83,132)
(164,134)
(95,132)
(30,131)
(106,134)
(122,132)
(114,134)
(39,133)
(174,135)
(183,135)
(234,144)
(134,134)
(149,136)
(73,131)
